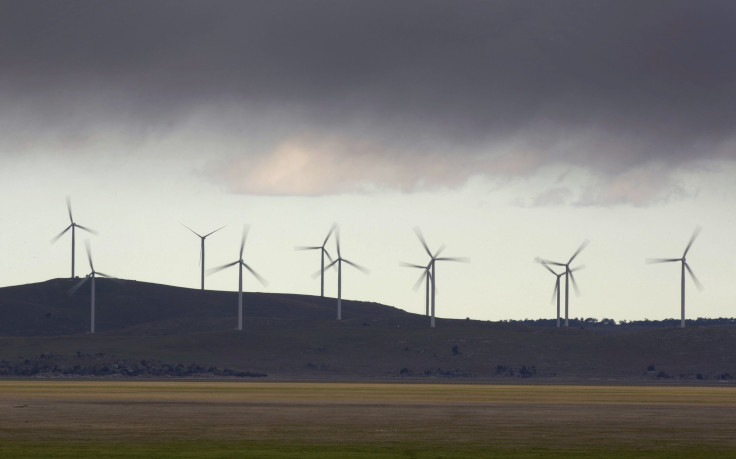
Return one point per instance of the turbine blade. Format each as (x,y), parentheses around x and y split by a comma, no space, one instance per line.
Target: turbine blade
(89,254)
(328,255)
(365,270)
(550,262)
(577,268)
(574,284)
(554,292)
(695,279)
(409,265)
(319,271)
(77,286)
(260,278)
(304,247)
(242,240)
(692,239)
(97,273)
(329,233)
(649,261)
(419,281)
(69,209)
(89,230)
(331,264)
(337,239)
(460,259)
(56,238)
(212,232)
(577,252)
(540,261)
(185,226)
(439,251)
(421,239)
(220,268)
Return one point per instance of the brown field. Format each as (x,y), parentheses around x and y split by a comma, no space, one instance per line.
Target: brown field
(230,419)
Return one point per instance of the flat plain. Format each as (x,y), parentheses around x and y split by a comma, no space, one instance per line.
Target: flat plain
(113,418)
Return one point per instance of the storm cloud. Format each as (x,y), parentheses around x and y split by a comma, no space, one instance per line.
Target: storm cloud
(320,97)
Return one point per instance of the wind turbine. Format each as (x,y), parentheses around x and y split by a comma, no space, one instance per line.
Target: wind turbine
(426,276)
(241,264)
(433,259)
(685,266)
(557,284)
(92,276)
(339,261)
(568,276)
(201,249)
(324,252)
(72,226)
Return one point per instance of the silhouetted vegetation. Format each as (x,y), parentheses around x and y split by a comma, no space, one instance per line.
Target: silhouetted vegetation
(611,323)
(102,364)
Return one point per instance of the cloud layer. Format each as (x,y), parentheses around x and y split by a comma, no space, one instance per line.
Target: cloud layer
(335,96)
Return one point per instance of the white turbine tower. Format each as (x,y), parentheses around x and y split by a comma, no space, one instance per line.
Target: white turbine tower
(72,226)
(684,267)
(89,276)
(434,258)
(323,252)
(201,248)
(568,276)
(339,261)
(426,276)
(241,264)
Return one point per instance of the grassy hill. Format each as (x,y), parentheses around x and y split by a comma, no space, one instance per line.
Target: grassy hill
(297,336)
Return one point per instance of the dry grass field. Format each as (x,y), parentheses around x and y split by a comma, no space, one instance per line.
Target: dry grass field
(257,419)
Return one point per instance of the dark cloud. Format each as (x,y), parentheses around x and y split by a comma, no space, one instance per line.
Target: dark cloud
(606,85)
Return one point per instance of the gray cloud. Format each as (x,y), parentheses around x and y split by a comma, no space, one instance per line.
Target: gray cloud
(512,86)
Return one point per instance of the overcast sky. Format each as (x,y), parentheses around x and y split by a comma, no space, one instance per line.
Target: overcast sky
(504,129)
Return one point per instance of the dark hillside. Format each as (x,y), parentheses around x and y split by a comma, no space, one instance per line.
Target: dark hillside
(154,330)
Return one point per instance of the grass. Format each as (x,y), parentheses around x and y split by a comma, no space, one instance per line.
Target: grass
(257,419)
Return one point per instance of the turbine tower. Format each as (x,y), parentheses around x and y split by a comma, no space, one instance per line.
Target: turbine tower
(684,267)
(241,264)
(569,276)
(339,261)
(72,226)
(426,276)
(432,262)
(201,249)
(324,252)
(92,276)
